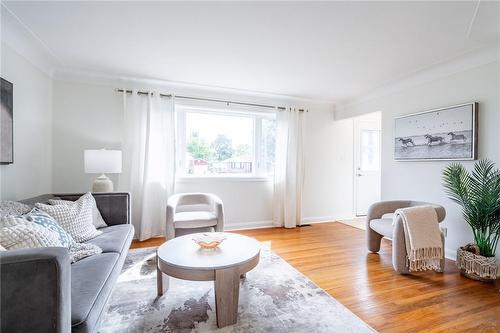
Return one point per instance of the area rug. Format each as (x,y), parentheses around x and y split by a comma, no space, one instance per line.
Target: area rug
(274,297)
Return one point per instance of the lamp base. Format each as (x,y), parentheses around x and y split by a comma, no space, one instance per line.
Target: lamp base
(102,184)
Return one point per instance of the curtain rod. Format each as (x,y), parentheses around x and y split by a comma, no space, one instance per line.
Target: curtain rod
(281,108)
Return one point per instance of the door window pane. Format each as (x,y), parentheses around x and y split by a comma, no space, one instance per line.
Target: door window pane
(370,150)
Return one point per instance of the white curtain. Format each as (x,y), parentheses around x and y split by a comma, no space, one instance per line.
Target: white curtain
(148,160)
(289,168)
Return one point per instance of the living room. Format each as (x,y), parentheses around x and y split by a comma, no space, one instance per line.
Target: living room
(320,141)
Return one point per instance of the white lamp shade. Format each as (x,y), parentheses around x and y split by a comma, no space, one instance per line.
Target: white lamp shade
(103,161)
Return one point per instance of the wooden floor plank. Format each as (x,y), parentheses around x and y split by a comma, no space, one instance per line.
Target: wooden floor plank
(334,256)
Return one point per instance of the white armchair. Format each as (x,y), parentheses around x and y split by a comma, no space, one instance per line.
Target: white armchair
(198,211)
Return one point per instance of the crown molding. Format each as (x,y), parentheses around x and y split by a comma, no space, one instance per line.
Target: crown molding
(23,41)
(469,60)
(175,87)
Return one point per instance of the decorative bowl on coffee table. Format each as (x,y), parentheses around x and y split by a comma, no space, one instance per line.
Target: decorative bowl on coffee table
(209,240)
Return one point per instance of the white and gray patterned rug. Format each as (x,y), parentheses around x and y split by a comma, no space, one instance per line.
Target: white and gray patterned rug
(274,297)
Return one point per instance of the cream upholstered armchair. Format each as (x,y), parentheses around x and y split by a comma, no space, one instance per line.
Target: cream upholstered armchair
(194,212)
(379,223)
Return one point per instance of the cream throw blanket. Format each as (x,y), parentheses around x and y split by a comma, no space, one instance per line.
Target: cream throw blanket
(424,246)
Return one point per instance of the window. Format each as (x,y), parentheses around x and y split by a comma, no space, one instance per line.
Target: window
(225,143)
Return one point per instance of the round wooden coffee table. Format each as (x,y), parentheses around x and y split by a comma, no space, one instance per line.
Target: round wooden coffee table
(182,258)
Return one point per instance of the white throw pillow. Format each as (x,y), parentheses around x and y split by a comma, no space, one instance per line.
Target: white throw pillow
(75,217)
(45,220)
(20,233)
(13,208)
(38,229)
(79,251)
(97,219)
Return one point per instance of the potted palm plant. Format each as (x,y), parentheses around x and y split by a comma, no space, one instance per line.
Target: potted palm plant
(478,192)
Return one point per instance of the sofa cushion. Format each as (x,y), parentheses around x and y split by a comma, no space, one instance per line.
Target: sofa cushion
(89,277)
(382,226)
(113,238)
(196,219)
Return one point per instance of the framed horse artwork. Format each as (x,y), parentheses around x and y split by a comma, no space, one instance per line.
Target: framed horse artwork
(448,133)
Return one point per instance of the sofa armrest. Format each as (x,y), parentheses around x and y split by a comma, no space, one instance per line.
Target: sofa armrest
(35,290)
(113,206)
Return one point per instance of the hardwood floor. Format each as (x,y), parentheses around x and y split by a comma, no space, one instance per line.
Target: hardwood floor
(334,256)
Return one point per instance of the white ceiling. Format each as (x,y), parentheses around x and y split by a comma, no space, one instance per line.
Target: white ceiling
(334,51)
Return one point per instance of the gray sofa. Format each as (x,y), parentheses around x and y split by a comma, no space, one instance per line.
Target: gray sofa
(379,223)
(41,291)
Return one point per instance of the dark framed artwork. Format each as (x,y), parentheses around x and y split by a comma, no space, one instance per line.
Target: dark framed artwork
(448,133)
(6,122)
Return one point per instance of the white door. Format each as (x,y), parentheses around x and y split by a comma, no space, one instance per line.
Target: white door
(367,165)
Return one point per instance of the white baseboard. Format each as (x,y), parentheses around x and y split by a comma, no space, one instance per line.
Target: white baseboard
(269,224)
(248,225)
(450,254)
(323,219)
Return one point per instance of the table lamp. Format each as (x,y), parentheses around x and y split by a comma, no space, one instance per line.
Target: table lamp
(101,161)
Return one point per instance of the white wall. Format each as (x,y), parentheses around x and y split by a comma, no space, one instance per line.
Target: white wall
(328,181)
(88,114)
(31,173)
(422,180)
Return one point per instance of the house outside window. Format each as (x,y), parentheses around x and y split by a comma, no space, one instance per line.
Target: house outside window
(225,143)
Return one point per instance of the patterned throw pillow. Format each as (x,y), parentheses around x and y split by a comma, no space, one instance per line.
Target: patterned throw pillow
(37,229)
(79,251)
(13,208)
(20,233)
(97,219)
(75,218)
(39,217)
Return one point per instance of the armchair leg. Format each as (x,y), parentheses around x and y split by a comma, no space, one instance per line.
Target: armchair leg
(219,227)
(399,250)
(373,240)
(170,234)
(443,259)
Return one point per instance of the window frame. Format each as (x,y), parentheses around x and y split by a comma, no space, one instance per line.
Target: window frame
(258,165)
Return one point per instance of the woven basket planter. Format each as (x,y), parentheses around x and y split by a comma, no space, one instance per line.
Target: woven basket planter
(475,266)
